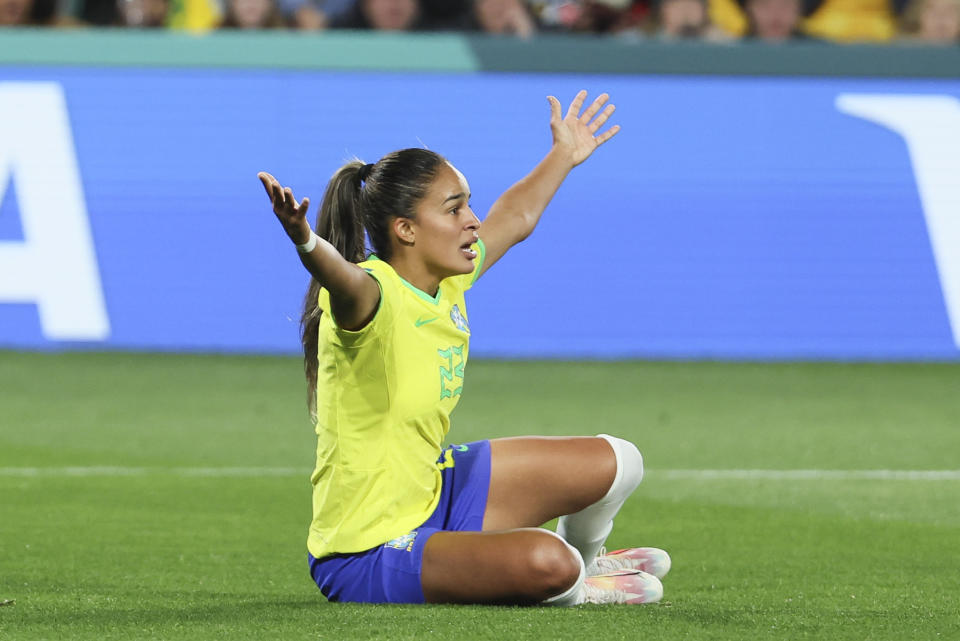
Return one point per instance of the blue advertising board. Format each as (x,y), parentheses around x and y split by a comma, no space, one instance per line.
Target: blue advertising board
(731,218)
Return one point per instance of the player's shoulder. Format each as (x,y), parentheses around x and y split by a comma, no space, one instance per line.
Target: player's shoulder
(388,307)
(386,277)
(373,264)
(381,270)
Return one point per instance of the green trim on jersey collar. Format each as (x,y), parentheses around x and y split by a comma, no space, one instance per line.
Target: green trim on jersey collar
(422,294)
(482,257)
(416,290)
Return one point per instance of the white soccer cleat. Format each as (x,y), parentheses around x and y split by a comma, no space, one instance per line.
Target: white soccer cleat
(650,560)
(632,587)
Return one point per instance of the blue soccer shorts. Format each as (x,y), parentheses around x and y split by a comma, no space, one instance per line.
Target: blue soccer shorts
(390,573)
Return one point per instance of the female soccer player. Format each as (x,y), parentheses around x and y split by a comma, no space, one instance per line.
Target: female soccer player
(386,339)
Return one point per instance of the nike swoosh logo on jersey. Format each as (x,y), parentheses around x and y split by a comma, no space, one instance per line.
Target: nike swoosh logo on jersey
(420,321)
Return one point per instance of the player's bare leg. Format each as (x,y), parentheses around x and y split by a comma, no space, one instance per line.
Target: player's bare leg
(523,566)
(534,479)
(583,480)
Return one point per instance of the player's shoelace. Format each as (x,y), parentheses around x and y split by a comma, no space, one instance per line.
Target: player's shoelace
(603,563)
(658,565)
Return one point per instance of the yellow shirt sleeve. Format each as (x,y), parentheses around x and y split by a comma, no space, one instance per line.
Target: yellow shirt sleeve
(387,309)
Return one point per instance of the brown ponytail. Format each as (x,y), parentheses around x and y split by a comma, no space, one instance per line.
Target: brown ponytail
(394,186)
(338,223)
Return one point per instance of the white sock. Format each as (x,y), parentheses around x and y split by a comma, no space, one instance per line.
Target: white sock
(587,529)
(574,595)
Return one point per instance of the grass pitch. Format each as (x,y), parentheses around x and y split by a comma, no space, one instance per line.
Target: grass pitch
(166,496)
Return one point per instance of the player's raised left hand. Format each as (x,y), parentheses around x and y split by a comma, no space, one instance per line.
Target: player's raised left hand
(575,134)
(291,214)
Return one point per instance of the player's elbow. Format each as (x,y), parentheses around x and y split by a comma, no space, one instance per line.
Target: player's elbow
(526,223)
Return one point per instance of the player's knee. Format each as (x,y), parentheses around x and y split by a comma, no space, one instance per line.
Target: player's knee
(552,567)
(629,468)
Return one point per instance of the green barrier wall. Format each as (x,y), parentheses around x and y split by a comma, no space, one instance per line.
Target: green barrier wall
(456,53)
(274,50)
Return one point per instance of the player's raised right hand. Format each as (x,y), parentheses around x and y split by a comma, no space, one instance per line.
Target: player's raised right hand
(291,215)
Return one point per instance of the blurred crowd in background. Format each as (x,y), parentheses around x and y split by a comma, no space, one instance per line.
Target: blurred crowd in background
(872,21)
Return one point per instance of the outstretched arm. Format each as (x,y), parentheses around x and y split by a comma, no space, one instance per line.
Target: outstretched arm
(354,294)
(515,214)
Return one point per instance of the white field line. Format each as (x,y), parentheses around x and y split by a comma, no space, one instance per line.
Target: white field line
(808,475)
(104,471)
(659,474)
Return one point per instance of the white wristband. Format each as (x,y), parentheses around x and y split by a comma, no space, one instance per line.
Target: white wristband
(308,246)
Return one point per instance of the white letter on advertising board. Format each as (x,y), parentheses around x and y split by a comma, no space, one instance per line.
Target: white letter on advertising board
(55,266)
(930,125)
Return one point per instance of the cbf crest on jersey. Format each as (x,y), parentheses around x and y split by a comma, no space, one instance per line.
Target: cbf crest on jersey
(459,319)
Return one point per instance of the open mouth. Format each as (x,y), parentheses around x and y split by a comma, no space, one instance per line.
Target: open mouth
(467,251)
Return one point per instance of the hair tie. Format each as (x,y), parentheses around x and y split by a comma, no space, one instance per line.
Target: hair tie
(365,171)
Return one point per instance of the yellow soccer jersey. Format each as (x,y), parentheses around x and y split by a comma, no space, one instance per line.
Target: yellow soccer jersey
(384,397)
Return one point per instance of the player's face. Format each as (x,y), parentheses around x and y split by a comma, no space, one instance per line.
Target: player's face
(445,226)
